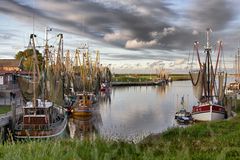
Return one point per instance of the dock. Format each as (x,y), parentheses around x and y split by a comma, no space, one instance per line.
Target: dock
(5,119)
(147,83)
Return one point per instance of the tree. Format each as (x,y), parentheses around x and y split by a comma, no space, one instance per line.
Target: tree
(26,58)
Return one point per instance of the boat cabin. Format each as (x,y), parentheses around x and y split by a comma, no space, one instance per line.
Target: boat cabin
(86,98)
(39,116)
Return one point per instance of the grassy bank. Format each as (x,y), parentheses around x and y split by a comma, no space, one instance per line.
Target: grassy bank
(146,77)
(4,109)
(213,140)
(179,77)
(133,78)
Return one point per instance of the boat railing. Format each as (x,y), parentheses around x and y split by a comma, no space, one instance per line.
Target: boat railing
(40,126)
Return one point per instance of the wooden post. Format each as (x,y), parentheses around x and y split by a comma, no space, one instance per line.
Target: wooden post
(13,108)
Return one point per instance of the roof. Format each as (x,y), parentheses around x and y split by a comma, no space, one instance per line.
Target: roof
(9,63)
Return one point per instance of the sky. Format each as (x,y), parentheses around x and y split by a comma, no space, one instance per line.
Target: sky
(133,36)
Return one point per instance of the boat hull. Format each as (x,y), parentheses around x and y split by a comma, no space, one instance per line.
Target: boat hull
(41,133)
(82,113)
(208,112)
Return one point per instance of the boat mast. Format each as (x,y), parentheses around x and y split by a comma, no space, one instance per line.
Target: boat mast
(60,49)
(34,69)
(208,52)
(238,66)
(45,63)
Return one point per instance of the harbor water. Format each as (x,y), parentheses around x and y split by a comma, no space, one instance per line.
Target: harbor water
(132,113)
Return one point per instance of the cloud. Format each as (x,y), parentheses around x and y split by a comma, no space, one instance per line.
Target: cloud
(131,25)
(195,32)
(117,36)
(215,13)
(179,61)
(136,44)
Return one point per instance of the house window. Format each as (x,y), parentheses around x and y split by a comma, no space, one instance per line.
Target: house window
(1,80)
(9,78)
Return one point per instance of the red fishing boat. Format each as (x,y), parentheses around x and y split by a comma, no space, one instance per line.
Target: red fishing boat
(208,82)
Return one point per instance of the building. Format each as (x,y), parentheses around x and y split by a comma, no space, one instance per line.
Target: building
(7,69)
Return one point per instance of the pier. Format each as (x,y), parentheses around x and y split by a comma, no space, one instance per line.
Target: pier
(5,119)
(147,83)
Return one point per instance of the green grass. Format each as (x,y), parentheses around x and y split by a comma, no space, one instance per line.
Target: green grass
(202,141)
(132,79)
(180,77)
(146,77)
(4,109)
(214,140)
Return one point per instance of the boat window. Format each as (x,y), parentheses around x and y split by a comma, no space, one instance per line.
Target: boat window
(29,112)
(40,112)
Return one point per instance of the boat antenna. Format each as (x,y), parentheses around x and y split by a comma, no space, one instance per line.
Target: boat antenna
(33,16)
(208,39)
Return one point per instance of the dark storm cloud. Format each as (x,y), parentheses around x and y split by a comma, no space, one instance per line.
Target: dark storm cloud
(140,19)
(215,13)
(98,19)
(164,56)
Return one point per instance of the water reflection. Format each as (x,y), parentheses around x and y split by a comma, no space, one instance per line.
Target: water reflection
(85,128)
(105,97)
(137,111)
(131,113)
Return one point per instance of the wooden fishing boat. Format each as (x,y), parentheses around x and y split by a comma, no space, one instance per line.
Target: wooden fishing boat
(43,121)
(208,85)
(105,87)
(83,105)
(41,118)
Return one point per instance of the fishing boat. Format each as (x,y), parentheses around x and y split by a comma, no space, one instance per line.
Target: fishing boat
(41,117)
(234,87)
(162,77)
(83,104)
(85,83)
(183,116)
(208,83)
(40,120)
(106,77)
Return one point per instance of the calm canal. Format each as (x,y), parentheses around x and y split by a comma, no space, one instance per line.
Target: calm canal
(132,113)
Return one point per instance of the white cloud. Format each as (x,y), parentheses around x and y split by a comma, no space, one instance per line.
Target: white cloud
(179,61)
(166,31)
(111,37)
(134,44)
(195,32)
(169,30)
